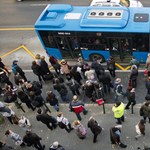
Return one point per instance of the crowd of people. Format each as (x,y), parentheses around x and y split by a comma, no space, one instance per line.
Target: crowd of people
(97,84)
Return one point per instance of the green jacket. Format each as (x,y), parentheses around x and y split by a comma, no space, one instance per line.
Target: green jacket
(134,62)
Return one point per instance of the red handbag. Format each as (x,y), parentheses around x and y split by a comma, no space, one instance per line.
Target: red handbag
(145,72)
(129,82)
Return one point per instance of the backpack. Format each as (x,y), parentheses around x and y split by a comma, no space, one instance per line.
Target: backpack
(38,84)
(35,103)
(117,90)
(111,66)
(63,92)
(13,69)
(61,124)
(8,97)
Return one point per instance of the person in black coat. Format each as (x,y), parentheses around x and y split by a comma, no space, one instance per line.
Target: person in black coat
(51,98)
(89,88)
(76,75)
(33,139)
(44,66)
(56,146)
(133,76)
(95,128)
(111,66)
(37,70)
(17,77)
(130,96)
(105,79)
(25,99)
(34,88)
(115,138)
(18,69)
(46,119)
(148,85)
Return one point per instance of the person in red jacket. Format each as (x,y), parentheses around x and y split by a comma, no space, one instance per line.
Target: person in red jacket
(77,107)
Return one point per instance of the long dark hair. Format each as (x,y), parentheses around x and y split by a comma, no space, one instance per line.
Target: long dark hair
(74,70)
(49,96)
(52,59)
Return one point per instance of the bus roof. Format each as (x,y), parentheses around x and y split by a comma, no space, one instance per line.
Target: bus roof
(62,17)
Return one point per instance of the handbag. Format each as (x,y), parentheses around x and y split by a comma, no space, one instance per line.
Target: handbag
(129,82)
(84,131)
(141,112)
(18,142)
(97,131)
(145,72)
(137,129)
(69,67)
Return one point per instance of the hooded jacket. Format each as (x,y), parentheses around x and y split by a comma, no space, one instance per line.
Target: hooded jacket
(119,87)
(37,70)
(78,130)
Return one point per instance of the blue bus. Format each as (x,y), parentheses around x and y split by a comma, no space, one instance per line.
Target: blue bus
(94,32)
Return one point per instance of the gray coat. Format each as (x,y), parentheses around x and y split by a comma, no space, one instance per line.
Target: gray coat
(147,66)
(78,130)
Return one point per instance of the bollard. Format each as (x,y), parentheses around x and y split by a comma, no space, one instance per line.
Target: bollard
(103,107)
(46,106)
(19,106)
(132,107)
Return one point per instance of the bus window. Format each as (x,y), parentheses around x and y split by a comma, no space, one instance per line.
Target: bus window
(92,43)
(74,47)
(140,42)
(48,39)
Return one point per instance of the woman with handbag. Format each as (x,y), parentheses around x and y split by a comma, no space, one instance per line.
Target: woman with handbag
(140,129)
(79,129)
(95,128)
(16,137)
(22,121)
(146,110)
(73,85)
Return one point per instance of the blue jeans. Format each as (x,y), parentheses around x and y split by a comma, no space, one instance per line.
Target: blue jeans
(25,128)
(38,146)
(83,73)
(108,87)
(84,112)
(116,96)
(65,97)
(56,106)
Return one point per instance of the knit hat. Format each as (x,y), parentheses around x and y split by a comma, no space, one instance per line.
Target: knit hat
(142,121)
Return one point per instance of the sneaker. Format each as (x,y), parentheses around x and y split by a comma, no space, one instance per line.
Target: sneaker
(58,110)
(86,112)
(127,108)
(43,147)
(2,94)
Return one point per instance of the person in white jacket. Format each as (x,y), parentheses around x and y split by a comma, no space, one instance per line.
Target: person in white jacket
(63,122)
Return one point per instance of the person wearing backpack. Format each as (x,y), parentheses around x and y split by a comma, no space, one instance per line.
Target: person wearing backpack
(111,66)
(61,80)
(62,90)
(37,101)
(16,68)
(17,77)
(118,88)
(63,122)
(46,119)
(4,78)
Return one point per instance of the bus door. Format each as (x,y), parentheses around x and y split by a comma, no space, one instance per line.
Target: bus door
(120,48)
(68,47)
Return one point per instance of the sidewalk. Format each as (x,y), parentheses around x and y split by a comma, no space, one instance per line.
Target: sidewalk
(70,141)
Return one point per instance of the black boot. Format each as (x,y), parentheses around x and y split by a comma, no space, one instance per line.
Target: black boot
(144,118)
(149,120)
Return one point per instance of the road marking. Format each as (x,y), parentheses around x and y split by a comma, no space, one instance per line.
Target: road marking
(14,29)
(11,52)
(122,67)
(39,4)
(28,51)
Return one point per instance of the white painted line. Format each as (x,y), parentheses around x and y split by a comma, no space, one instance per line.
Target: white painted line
(39,4)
